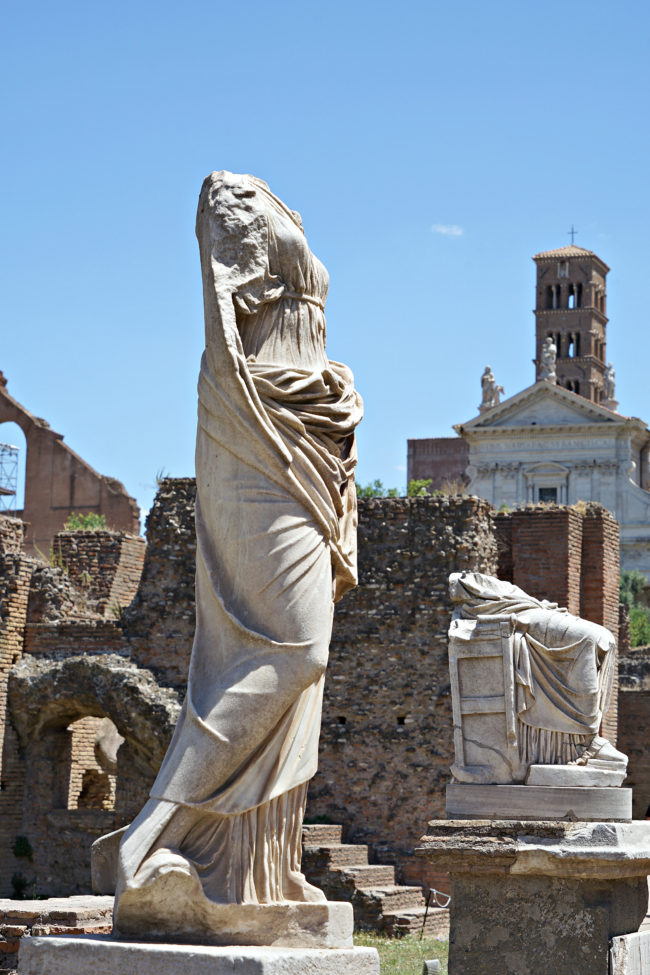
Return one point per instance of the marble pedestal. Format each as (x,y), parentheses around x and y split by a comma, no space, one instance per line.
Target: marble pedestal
(533,896)
(106,956)
(465,801)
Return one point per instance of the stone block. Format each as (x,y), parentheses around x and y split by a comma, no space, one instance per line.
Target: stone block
(292,924)
(574,776)
(630,954)
(105,956)
(532,802)
(561,892)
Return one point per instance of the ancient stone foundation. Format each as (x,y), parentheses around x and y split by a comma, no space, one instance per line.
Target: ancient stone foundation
(82,642)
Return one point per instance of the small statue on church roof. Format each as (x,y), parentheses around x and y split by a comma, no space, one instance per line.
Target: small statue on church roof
(491,393)
(610,383)
(549,357)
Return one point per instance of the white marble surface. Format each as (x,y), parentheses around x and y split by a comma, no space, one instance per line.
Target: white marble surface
(529,684)
(105,956)
(574,776)
(630,954)
(536,803)
(276,546)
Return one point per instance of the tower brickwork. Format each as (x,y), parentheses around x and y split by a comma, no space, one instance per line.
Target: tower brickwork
(571,304)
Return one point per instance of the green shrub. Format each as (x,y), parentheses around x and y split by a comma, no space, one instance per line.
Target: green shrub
(376,489)
(76,522)
(639,626)
(419,488)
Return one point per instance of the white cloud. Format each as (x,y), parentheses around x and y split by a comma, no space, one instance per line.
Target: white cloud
(447,229)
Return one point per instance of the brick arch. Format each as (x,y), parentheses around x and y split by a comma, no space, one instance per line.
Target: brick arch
(45,697)
(48,695)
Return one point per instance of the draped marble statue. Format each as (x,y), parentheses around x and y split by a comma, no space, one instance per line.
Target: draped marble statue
(490,391)
(609,390)
(547,369)
(276,546)
(530,684)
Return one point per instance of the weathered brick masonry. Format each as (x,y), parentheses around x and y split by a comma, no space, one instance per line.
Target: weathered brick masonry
(105,565)
(569,556)
(15,575)
(634,725)
(386,741)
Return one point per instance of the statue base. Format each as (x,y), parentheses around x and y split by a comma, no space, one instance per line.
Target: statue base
(564,896)
(106,956)
(326,924)
(532,802)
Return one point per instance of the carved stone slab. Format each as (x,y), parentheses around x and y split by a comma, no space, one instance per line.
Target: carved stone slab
(537,802)
(103,956)
(544,896)
(630,954)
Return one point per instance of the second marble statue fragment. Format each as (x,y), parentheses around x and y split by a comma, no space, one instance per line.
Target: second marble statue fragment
(530,684)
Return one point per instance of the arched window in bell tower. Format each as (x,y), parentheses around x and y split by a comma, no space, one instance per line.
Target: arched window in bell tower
(572,297)
(578,295)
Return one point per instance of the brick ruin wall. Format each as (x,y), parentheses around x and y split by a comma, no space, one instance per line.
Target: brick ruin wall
(569,555)
(386,742)
(442,460)
(105,565)
(634,725)
(15,575)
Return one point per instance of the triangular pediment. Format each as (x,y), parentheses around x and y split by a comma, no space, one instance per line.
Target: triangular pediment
(544,405)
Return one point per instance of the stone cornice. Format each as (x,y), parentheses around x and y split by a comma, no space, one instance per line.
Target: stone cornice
(589,309)
(539,431)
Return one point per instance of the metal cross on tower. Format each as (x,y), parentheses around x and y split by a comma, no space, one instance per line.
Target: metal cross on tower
(572,233)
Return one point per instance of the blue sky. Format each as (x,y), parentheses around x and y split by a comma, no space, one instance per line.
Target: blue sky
(386,125)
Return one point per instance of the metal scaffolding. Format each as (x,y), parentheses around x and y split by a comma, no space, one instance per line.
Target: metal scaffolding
(8,476)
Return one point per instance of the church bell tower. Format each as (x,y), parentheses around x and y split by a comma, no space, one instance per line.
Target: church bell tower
(571,306)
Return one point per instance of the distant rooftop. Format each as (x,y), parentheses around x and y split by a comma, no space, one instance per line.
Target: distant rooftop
(571,250)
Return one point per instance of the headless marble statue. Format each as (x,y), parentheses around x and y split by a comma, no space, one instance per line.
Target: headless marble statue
(530,684)
(276,546)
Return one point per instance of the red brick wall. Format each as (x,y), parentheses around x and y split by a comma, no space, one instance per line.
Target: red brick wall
(105,565)
(83,735)
(15,575)
(386,740)
(386,735)
(634,741)
(442,459)
(547,554)
(569,556)
(600,567)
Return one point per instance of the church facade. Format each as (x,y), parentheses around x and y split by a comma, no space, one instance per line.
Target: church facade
(562,440)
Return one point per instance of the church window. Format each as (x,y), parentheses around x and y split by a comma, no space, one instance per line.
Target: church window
(563,269)
(571,349)
(578,296)
(548,494)
(572,297)
(549,297)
